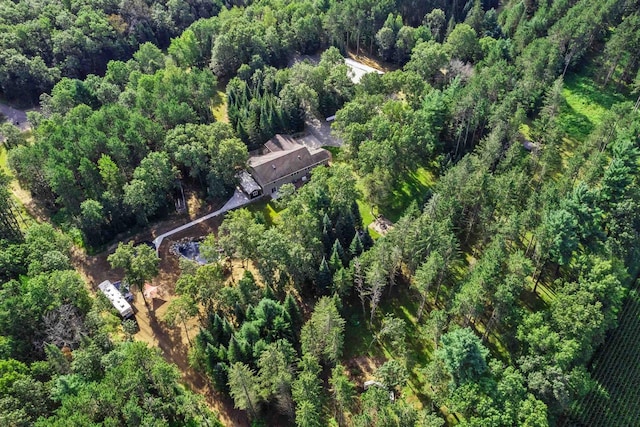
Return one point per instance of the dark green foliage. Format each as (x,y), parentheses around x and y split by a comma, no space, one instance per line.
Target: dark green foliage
(323,278)
(291,306)
(463,355)
(356,248)
(49,41)
(34,309)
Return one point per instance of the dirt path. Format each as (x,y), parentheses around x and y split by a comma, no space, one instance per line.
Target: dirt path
(172,342)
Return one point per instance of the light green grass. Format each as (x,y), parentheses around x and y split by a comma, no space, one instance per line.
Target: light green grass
(4,166)
(415,187)
(268,210)
(585,105)
(219,106)
(525,130)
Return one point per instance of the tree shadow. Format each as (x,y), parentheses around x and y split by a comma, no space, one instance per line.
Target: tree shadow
(575,124)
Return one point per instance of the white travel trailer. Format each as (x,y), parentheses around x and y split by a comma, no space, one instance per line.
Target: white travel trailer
(116,298)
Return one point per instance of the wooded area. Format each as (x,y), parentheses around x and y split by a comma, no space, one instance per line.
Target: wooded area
(483,304)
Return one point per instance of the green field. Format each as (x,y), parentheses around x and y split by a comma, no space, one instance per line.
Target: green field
(616,368)
(585,104)
(219,105)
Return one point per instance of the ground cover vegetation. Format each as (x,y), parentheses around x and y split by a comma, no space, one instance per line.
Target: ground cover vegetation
(487,300)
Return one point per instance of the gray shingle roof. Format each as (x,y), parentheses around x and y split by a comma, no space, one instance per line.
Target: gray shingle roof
(247,182)
(291,157)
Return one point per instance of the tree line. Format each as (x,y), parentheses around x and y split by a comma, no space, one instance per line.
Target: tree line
(46,41)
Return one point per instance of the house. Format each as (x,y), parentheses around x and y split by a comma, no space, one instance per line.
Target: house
(116,298)
(284,161)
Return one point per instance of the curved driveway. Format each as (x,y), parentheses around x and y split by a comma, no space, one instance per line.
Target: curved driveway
(237,200)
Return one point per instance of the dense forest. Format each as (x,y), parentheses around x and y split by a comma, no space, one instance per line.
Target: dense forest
(488,301)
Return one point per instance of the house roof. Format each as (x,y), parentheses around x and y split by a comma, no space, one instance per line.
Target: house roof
(290,158)
(281,143)
(248,184)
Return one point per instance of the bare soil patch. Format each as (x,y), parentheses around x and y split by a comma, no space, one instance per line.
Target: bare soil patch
(172,342)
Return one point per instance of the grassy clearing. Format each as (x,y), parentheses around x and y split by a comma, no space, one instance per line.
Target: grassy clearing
(268,209)
(219,106)
(3,161)
(585,105)
(415,187)
(419,350)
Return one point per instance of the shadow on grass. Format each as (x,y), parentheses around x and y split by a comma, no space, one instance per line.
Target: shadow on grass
(415,187)
(585,104)
(268,210)
(576,125)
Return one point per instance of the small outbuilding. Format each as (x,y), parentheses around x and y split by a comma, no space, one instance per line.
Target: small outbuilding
(116,298)
(249,185)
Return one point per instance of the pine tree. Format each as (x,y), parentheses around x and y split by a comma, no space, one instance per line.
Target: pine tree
(247,287)
(335,262)
(327,234)
(291,306)
(268,293)
(337,246)
(244,388)
(220,377)
(345,228)
(342,281)
(228,332)
(323,278)
(217,328)
(355,248)
(235,352)
(357,218)
(367,241)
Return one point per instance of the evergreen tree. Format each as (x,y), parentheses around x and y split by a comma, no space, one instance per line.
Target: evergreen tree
(345,228)
(335,262)
(367,241)
(323,334)
(342,281)
(291,306)
(355,248)
(337,247)
(236,351)
(323,278)
(244,388)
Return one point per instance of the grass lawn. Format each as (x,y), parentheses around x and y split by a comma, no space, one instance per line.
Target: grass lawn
(585,105)
(415,187)
(268,209)
(3,161)
(219,105)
